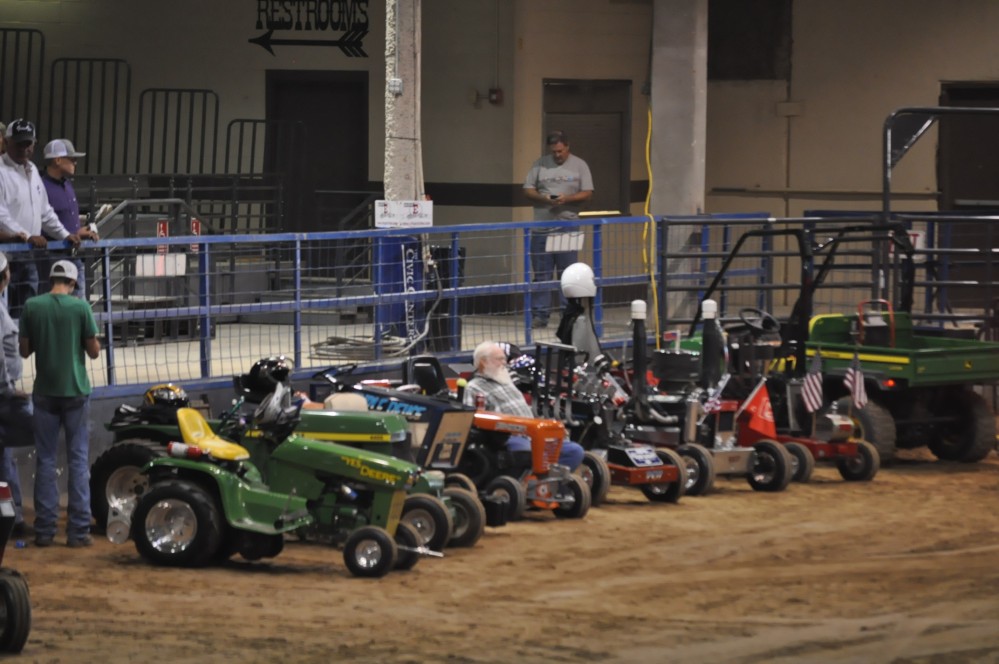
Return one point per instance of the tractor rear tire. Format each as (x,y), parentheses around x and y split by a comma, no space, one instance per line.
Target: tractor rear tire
(177,523)
(430,517)
(861,468)
(771,469)
(406,537)
(16,623)
(802,462)
(582,499)
(115,480)
(513,491)
(700,469)
(595,472)
(668,492)
(469,516)
(874,424)
(369,552)
(973,436)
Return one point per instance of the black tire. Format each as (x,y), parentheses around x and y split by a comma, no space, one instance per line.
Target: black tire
(430,517)
(580,491)
(861,468)
(469,516)
(874,424)
(700,469)
(460,480)
(972,436)
(115,478)
(177,523)
(16,617)
(596,473)
(668,492)
(369,552)
(771,469)
(802,462)
(510,489)
(406,537)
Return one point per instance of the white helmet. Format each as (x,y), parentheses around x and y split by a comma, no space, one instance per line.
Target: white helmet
(577,281)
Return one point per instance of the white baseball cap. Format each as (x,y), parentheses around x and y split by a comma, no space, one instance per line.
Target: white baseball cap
(61,147)
(64,269)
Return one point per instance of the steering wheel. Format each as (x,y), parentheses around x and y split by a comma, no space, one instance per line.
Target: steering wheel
(331,373)
(758,320)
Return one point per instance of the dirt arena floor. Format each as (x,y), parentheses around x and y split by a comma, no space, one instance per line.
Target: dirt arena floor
(902,569)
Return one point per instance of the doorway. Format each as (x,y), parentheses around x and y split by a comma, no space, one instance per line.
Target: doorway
(329,110)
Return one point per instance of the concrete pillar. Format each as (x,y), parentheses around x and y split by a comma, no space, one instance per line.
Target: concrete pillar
(679,108)
(403,147)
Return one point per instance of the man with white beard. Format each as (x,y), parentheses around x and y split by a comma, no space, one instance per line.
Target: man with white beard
(492,381)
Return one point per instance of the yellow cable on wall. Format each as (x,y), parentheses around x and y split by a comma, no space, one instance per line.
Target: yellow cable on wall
(649,231)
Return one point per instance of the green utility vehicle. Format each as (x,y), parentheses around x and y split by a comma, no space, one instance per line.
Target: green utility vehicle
(207,500)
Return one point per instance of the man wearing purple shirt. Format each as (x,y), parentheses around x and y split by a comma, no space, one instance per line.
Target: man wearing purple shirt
(60,167)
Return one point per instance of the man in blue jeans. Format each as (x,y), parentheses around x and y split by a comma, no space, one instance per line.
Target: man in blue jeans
(59,328)
(558,185)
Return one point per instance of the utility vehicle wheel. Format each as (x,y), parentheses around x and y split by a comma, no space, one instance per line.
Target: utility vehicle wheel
(668,492)
(15,622)
(700,467)
(596,473)
(771,469)
(862,467)
(430,517)
(406,539)
(115,480)
(177,523)
(580,505)
(972,434)
(370,552)
(509,489)
(469,516)
(802,462)
(874,424)
(460,480)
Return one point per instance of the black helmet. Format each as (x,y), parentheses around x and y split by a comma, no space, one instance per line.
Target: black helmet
(166,394)
(265,375)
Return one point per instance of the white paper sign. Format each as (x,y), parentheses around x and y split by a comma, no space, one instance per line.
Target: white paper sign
(571,241)
(404,214)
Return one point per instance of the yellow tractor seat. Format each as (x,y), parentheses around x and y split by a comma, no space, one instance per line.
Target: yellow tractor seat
(195,431)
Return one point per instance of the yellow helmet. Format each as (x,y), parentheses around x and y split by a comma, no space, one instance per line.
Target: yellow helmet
(166,394)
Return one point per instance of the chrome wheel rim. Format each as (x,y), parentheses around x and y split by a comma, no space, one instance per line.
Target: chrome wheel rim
(123,489)
(368,554)
(423,521)
(171,526)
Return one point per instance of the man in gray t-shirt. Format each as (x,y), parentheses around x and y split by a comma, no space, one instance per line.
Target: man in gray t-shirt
(558,186)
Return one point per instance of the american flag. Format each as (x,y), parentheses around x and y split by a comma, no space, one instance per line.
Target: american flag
(811,390)
(854,381)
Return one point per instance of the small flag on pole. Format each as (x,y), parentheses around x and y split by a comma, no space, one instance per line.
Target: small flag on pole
(811,390)
(854,381)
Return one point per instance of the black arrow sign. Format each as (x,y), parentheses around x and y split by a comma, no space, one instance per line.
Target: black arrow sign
(351,43)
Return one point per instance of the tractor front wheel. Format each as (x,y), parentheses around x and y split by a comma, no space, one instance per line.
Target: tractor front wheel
(469,516)
(370,552)
(668,492)
(862,467)
(771,469)
(700,468)
(874,424)
(802,462)
(406,540)
(116,481)
(513,492)
(596,473)
(430,517)
(581,499)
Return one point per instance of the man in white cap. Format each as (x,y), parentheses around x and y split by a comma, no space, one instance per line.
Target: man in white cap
(25,211)
(15,406)
(59,329)
(60,167)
